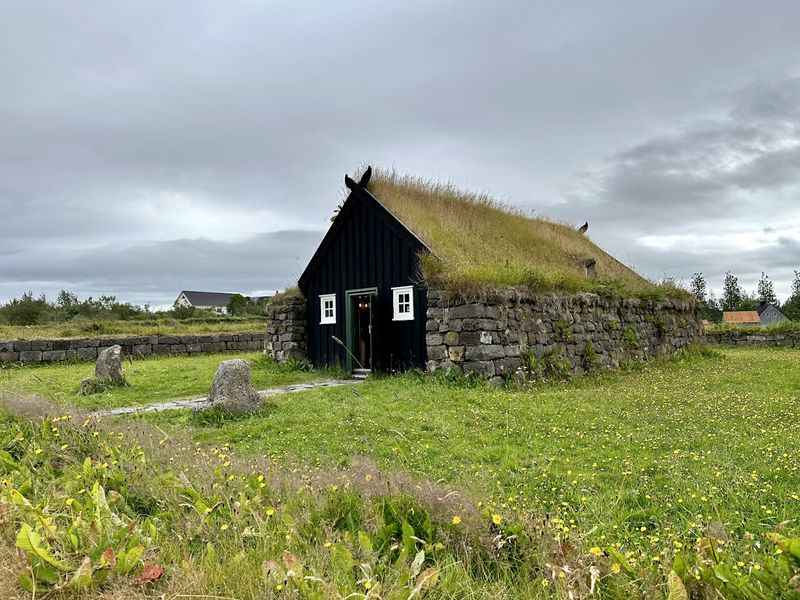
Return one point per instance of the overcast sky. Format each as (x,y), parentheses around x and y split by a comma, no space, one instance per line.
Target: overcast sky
(148,147)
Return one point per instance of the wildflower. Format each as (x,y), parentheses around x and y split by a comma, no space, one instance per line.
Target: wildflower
(224,527)
(596,551)
(270,511)
(497,519)
(456,520)
(615,568)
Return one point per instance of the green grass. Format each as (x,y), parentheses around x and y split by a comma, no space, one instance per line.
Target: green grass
(84,328)
(641,459)
(690,465)
(151,379)
(525,251)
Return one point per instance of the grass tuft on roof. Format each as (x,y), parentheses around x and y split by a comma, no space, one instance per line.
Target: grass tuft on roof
(480,244)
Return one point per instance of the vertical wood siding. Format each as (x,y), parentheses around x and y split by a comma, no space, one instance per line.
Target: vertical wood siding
(366,247)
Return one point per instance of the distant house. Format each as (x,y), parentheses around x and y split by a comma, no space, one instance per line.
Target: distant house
(216,301)
(769,314)
(765,314)
(741,318)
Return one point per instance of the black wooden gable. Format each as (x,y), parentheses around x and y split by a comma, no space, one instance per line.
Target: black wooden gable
(366,248)
(352,209)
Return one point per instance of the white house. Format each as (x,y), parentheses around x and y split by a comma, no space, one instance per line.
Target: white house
(216,301)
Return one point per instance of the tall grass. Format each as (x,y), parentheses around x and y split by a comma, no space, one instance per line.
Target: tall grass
(478,242)
(101,327)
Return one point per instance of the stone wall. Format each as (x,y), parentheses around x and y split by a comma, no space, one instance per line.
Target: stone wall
(286,329)
(513,331)
(37,351)
(790,339)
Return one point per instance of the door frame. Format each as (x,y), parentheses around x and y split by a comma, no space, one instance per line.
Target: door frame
(348,322)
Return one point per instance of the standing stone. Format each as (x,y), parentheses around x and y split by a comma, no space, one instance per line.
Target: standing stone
(109,365)
(231,389)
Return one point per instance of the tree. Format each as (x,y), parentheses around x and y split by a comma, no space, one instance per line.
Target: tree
(66,299)
(238,305)
(791,307)
(732,294)
(26,310)
(698,287)
(766,290)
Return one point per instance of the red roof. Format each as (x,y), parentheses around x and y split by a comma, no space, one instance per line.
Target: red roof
(741,316)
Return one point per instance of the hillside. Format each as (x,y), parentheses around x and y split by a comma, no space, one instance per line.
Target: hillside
(481,243)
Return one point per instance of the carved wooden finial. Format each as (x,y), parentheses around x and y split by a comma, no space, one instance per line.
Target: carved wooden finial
(362,183)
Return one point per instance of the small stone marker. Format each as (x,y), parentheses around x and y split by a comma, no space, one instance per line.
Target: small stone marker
(107,372)
(231,389)
(109,365)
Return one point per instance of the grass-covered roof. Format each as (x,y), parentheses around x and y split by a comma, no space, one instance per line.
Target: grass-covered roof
(479,243)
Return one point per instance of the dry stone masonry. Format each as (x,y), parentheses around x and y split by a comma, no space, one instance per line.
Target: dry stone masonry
(502,334)
(86,349)
(788,339)
(286,329)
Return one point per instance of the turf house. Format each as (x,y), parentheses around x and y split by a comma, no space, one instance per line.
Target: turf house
(419,275)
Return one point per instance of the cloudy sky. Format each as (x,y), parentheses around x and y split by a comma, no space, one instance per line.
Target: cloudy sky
(148,147)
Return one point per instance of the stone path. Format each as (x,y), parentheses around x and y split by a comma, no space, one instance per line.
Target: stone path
(197,403)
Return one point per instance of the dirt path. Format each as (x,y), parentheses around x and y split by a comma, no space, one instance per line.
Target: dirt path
(203,402)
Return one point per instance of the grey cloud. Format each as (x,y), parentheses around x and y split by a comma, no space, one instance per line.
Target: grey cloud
(154,272)
(135,124)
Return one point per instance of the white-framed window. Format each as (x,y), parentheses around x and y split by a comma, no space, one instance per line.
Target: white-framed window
(327,309)
(403,303)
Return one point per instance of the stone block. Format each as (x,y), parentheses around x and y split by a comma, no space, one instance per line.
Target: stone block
(456,353)
(483,368)
(168,340)
(142,350)
(54,355)
(433,339)
(484,352)
(7,346)
(6,357)
(177,349)
(467,311)
(451,338)
(470,338)
(437,352)
(30,356)
(87,353)
(161,349)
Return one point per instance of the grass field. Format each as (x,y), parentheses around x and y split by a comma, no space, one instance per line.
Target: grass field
(108,327)
(681,477)
(151,379)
